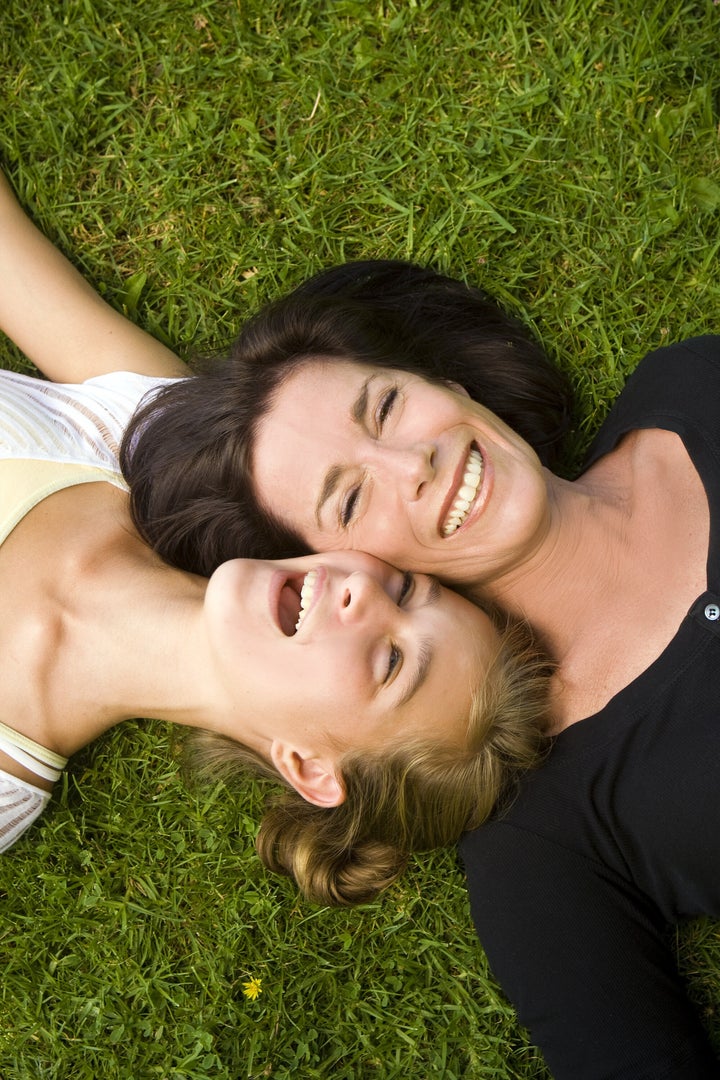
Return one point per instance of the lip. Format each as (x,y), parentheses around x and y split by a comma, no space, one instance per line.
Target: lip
(480,498)
(294,580)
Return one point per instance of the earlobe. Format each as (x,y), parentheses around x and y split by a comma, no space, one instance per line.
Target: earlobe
(312,777)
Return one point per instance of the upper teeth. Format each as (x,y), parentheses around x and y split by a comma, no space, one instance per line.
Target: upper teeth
(306,595)
(465,497)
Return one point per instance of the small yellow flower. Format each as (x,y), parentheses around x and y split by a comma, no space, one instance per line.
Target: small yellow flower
(252,988)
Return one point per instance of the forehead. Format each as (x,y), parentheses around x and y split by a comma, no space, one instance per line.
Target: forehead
(335,378)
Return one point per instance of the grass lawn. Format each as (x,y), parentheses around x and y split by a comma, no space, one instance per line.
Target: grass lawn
(195,158)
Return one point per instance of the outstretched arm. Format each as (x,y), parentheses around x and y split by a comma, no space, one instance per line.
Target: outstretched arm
(57,319)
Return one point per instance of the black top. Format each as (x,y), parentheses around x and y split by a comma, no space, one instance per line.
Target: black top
(617,835)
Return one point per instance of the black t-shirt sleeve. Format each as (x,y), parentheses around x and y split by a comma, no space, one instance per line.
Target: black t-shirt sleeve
(584,960)
(676,386)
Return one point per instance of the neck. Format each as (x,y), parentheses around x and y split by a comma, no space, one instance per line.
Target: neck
(127,644)
(578,567)
(96,629)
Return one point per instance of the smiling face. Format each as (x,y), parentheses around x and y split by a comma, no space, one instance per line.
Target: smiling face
(343,652)
(416,473)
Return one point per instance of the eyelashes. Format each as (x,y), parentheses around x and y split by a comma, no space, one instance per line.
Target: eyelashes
(384,408)
(395,658)
(406,587)
(348,507)
(396,653)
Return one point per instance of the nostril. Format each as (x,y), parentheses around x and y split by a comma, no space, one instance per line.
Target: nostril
(346,598)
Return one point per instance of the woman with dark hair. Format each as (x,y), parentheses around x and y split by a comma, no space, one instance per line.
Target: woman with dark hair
(383,408)
(187,455)
(393,712)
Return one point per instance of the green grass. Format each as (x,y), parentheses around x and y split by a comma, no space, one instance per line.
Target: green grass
(195,159)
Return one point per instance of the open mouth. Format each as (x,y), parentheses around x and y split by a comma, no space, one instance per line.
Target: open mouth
(467,492)
(295,601)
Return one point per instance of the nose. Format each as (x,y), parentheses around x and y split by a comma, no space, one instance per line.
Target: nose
(411,467)
(363,598)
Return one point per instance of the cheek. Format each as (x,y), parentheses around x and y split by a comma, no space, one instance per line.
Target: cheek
(330,676)
(387,537)
(390,537)
(441,411)
(318,541)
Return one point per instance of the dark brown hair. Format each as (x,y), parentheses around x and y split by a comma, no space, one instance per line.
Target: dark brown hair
(187,455)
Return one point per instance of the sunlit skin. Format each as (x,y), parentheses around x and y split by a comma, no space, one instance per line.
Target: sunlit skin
(379,655)
(96,629)
(374,459)
(379,658)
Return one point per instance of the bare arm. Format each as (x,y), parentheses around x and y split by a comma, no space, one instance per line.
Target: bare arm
(57,319)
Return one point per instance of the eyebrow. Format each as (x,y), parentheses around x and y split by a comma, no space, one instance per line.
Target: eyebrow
(359,408)
(425,651)
(332,478)
(358,412)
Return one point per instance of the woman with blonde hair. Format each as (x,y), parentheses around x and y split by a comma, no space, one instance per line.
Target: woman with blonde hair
(394,712)
(392,409)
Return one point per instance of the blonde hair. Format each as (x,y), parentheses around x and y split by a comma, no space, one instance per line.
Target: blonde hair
(407,798)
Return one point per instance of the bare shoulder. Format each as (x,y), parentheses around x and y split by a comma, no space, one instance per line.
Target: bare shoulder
(45,565)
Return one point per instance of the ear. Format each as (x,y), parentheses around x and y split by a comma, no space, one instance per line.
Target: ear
(312,777)
(456,387)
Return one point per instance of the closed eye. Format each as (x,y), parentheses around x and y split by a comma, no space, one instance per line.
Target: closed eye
(385,407)
(348,507)
(406,588)
(394,661)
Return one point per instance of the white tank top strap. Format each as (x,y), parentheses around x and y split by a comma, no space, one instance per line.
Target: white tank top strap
(32,755)
(20,804)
